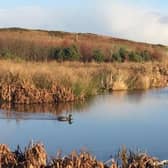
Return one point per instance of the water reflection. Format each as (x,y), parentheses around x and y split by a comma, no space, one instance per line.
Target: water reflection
(133,96)
(42,112)
(52,111)
(102,124)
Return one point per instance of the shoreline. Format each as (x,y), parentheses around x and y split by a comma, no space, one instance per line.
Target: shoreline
(39,83)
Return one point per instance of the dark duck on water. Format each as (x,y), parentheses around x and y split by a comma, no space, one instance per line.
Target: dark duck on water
(65,118)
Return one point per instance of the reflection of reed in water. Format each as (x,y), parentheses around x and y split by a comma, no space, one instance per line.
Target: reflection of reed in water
(134,96)
(41,111)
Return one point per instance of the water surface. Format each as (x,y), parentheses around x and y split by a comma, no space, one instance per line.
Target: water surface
(101,125)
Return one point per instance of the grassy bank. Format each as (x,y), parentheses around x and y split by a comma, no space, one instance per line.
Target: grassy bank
(31,82)
(35,156)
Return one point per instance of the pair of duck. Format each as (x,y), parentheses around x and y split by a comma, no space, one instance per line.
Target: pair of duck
(65,118)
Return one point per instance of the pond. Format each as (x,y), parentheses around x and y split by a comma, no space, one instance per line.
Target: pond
(101,125)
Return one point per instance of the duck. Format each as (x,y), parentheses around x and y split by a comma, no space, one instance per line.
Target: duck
(65,118)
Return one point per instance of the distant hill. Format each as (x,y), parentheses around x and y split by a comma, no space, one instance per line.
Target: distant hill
(42,45)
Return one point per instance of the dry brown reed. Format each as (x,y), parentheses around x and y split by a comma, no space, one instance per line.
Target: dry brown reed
(35,156)
(29,82)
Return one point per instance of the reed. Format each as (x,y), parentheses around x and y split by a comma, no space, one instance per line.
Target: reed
(35,156)
(31,82)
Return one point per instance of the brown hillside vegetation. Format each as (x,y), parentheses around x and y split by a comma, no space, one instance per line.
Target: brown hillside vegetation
(43,45)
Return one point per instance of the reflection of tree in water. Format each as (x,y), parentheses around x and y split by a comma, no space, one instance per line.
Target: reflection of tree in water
(44,111)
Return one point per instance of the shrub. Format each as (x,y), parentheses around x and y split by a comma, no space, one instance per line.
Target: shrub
(62,54)
(146,56)
(98,56)
(116,57)
(135,57)
(120,55)
(123,54)
(71,53)
(57,54)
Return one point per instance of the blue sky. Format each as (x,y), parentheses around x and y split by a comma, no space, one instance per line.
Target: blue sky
(139,20)
(157,4)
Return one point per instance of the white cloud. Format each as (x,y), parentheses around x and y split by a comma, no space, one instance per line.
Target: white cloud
(111,18)
(132,22)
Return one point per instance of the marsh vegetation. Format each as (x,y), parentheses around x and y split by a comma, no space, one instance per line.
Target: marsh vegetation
(35,156)
(49,67)
(53,82)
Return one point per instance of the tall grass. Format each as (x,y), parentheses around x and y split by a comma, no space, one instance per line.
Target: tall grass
(78,76)
(80,79)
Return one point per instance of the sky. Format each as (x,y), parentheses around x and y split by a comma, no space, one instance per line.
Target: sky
(138,20)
